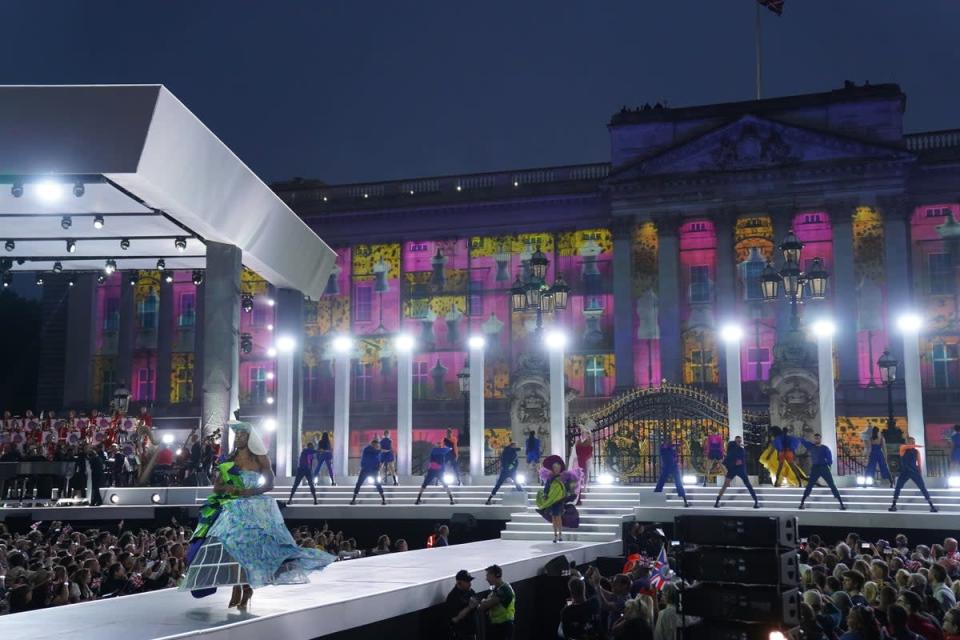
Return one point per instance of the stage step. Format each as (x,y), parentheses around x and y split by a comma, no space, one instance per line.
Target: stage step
(788,499)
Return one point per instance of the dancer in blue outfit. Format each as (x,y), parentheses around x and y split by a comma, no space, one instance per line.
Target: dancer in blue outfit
(820,460)
(735,463)
(325,456)
(910,470)
(305,470)
(241,539)
(388,462)
(669,467)
(878,457)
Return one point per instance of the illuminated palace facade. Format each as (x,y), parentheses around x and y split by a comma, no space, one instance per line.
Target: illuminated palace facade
(660,246)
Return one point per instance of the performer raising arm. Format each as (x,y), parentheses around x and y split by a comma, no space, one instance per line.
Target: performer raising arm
(669,467)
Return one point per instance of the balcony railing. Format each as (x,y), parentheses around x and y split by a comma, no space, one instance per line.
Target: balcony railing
(931,140)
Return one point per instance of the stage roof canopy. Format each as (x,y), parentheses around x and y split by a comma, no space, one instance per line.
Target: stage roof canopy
(135,158)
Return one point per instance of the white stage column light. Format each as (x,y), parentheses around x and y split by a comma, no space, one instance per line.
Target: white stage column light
(556,342)
(731,335)
(404,345)
(343,350)
(285,347)
(824,329)
(477,415)
(910,325)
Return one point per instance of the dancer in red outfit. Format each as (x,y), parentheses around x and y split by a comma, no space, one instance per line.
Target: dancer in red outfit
(583,451)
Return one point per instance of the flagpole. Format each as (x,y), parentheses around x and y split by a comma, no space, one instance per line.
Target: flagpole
(757,33)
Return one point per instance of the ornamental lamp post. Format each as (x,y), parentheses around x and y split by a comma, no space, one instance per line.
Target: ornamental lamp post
(463,378)
(888,375)
(533,295)
(792,280)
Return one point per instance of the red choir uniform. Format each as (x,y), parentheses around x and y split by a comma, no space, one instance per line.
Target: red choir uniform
(584,453)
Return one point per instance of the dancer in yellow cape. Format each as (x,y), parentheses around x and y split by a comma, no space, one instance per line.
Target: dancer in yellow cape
(771,461)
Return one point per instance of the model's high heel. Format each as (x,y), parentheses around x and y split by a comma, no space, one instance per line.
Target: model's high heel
(247,595)
(235,598)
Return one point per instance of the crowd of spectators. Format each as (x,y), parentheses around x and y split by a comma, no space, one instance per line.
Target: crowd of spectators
(859,590)
(55,564)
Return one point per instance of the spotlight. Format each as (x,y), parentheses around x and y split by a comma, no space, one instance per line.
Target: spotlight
(246,302)
(9,245)
(404,342)
(110,267)
(17,189)
(824,328)
(731,333)
(342,344)
(167,438)
(132,280)
(262,480)
(180,244)
(39,280)
(286,344)
(869,481)
(271,375)
(71,281)
(6,264)
(168,278)
(271,302)
(114,498)
(7,279)
(861,481)
(155,498)
(98,222)
(555,340)
(953,482)
(161,264)
(57,267)
(448,478)
(689,480)
(459,188)
(272,352)
(71,246)
(197,277)
(909,322)
(246,343)
(79,189)
(270,424)
(777,635)
(125,243)
(178,451)
(605,478)
(269,399)
(66,222)
(49,191)
(101,278)
(476,342)
(522,479)
(269,327)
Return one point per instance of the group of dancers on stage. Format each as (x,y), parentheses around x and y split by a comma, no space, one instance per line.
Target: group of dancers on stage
(783,449)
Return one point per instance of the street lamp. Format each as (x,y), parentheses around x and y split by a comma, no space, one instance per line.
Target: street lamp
(792,280)
(464,379)
(888,375)
(534,295)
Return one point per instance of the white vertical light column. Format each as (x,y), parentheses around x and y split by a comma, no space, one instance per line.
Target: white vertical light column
(824,330)
(731,335)
(285,410)
(403,345)
(556,342)
(477,413)
(910,325)
(343,350)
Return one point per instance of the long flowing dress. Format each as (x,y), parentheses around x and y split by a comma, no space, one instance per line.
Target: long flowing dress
(247,542)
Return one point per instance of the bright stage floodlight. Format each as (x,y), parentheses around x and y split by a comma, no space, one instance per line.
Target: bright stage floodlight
(71,246)
(167,438)
(180,244)
(49,191)
(522,479)
(555,340)
(98,222)
(477,342)
(953,482)
(114,498)
(270,400)
(605,478)
(909,322)
(270,424)
(404,343)
(824,328)
(286,344)
(448,478)
(731,333)
(155,498)
(689,480)
(342,344)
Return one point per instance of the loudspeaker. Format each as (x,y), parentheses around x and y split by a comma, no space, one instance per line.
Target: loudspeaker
(739,602)
(556,566)
(756,531)
(744,566)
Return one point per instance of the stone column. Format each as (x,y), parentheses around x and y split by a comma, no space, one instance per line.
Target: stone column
(477,412)
(896,246)
(726,267)
(165,331)
(731,338)
(81,320)
(911,382)
(289,341)
(221,331)
(125,333)
(668,292)
(623,303)
(842,289)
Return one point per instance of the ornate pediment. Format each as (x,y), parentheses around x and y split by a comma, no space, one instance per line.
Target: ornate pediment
(751,143)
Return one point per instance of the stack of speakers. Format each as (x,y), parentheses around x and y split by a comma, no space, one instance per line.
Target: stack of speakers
(743,574)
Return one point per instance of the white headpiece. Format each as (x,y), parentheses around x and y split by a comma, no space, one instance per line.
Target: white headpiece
(254,442)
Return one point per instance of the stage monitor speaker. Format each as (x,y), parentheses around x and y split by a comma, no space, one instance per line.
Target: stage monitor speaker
(747,531)
(464,521)
(743,603)
(744,566)
(556,566)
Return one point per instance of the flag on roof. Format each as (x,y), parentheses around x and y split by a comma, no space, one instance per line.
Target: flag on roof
(661,571)
(774,5)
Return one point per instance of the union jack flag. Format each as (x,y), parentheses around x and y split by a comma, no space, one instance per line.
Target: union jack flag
(661,571)
(774,5)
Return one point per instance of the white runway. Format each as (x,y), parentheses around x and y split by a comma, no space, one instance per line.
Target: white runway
(343,596)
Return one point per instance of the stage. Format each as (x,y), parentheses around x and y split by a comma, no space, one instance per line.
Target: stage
(344,596)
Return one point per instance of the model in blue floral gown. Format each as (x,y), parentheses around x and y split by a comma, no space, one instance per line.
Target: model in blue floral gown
(241,539)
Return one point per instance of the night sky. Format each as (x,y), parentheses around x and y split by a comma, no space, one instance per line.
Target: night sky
(357,91)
